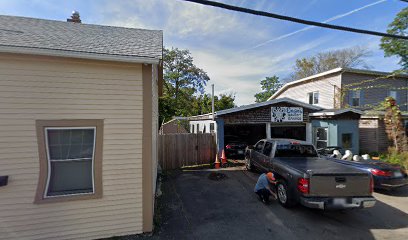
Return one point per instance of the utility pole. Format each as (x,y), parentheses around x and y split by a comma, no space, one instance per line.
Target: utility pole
(212,101)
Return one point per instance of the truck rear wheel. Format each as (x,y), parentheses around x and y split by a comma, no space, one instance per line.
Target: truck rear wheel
(284,197)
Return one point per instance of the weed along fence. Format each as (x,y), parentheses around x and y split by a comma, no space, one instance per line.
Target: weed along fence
(186,149)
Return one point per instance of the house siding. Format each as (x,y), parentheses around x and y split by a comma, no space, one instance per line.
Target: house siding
(261,115)
(375,91)
(33,88)
(325,86)
(373,137)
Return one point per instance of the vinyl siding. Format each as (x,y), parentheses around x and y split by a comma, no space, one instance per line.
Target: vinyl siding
(377,90)
(325,87)
(373,137)
(33,88)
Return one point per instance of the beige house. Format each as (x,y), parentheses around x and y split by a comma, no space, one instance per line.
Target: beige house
(78,129)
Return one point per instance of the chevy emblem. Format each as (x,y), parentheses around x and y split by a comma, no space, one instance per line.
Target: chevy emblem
(340,186)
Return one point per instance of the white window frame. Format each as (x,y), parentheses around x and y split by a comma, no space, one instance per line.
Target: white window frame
(315,136)
(313,94)
(356,94)
(394,92)
(68,160)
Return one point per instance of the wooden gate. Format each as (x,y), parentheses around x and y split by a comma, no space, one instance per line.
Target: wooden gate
(186,149)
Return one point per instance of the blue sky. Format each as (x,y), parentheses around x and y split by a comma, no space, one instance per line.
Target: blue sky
(235,49)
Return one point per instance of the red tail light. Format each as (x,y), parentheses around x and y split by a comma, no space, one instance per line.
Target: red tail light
(377,172)
(303,185)
(228,146)
(371,184)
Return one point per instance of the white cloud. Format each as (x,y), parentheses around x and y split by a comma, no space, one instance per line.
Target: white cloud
(188,18)
(176,18)
(232,71)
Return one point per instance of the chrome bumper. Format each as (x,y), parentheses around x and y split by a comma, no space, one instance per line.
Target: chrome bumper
(337,203)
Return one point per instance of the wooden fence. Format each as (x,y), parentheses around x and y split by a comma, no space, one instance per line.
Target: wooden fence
(186,149)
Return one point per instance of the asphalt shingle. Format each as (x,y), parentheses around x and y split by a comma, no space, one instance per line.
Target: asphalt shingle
(79,37)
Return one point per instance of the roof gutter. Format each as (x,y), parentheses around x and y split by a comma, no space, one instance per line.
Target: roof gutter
(287,85)
(80,55)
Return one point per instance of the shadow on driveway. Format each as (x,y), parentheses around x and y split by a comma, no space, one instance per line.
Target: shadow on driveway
(195,207)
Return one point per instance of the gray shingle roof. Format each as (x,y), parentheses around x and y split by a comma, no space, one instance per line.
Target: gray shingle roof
(40,34)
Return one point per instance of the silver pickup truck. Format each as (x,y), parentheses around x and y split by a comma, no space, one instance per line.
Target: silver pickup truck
(303,177)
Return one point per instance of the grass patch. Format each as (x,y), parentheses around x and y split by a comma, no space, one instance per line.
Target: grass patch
(395,158)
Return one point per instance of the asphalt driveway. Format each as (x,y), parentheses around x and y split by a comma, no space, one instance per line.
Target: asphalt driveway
(196,207)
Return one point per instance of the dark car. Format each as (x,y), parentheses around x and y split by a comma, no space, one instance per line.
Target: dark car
(386,176)
(234,146)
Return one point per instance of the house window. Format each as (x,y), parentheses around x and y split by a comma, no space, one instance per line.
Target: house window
(346,140)
(313,97)
(321,137)
(70,155)
(355,98)
(192,128)
(211,127)
(198,128)
(393,94)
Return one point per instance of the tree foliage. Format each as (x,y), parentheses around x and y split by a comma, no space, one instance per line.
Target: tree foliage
(180,72)
(394,125)
(325,61)
(184,83)
(397,47)
(269,86)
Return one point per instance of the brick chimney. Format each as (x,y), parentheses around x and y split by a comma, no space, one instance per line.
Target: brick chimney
(75,18)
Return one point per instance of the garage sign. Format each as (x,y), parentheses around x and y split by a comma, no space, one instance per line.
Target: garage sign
(287,114)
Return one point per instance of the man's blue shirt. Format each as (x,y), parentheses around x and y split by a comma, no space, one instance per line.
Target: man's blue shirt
(262,182)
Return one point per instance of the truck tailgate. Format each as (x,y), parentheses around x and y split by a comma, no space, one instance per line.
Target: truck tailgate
(339,185)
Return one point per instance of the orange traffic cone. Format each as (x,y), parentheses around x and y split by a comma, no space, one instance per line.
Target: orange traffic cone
(217,161)
(223,159)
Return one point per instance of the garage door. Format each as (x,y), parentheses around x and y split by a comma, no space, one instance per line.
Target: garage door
(246,133)
(294,132)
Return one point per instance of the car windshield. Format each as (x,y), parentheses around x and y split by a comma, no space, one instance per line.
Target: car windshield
(295,150)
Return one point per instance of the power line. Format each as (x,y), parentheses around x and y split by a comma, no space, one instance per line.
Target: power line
(292,19)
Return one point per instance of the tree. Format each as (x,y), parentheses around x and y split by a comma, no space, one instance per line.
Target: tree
(325,61)
(269,86)
(180,72)
(394,125)
(397,47)
(182,82)
(183,92)
(203,103)
(224,101)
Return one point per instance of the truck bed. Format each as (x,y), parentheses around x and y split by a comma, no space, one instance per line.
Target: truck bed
(330,179)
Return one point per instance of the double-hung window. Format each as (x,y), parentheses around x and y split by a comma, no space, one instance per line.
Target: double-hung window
(70,155)
(394,95)
(313,97)
(355,98)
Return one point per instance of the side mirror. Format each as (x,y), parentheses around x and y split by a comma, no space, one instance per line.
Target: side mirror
(250,146)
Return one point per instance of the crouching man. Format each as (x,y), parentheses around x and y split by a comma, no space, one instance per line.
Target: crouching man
(263,187)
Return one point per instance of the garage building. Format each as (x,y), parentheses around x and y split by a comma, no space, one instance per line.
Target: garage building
(281,118)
